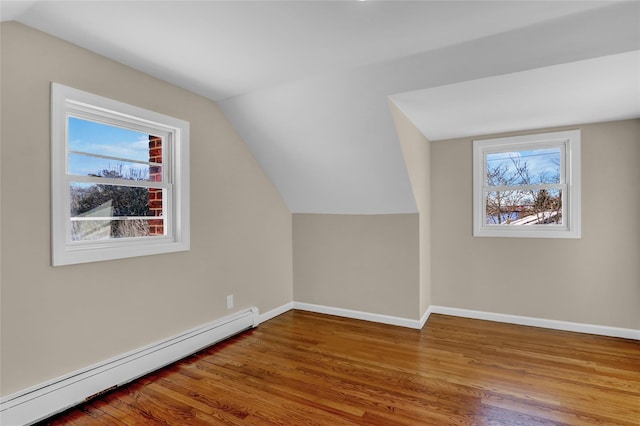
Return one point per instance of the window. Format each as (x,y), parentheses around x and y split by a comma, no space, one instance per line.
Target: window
(527,186)
(120,179)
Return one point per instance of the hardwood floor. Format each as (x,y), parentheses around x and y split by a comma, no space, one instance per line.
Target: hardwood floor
(309,369)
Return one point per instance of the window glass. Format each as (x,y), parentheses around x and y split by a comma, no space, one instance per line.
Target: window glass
(102,139)
(524,207)
(96,149)
(525,167)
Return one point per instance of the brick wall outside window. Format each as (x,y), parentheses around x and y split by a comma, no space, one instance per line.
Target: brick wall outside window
(156,226)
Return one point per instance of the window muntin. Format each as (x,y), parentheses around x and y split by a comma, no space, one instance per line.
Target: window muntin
(119,179)
(527,186)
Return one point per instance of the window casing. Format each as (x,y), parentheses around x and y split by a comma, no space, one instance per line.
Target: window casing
(109,200)
(527,186)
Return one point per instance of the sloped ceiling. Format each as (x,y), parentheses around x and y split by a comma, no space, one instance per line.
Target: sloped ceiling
(307,84)
(606,88)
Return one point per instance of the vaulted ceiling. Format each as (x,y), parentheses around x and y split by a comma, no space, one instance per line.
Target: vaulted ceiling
(307,84)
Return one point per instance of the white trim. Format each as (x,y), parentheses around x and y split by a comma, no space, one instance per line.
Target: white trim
(626,333)
(367,316)
(46,399)
(347,313)
(425,317)
(275,312)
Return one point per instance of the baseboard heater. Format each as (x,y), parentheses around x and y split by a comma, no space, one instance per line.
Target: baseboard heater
(44,400)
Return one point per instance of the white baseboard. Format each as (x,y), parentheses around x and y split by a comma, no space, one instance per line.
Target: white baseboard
(626,333)
(275,312)
(44,400)
(367,316)
(425,317)
(601,330)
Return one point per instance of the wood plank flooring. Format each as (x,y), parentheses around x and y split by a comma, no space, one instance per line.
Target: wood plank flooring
(309,369)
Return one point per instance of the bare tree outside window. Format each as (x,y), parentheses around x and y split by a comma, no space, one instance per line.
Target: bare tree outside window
(521,188)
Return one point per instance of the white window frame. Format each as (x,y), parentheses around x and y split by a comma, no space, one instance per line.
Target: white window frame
(569,144)
(66,102)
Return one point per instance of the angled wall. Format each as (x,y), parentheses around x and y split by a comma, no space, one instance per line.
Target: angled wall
(58,320)
(416,150)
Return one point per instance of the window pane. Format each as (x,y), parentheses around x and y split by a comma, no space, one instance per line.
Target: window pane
(106,201)
(102,139)
(518,207)
(87,165)
(527,167)
(102,229)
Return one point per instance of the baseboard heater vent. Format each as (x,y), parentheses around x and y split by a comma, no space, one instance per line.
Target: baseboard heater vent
(42,401)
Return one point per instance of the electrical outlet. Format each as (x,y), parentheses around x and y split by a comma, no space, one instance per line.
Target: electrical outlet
(230,301)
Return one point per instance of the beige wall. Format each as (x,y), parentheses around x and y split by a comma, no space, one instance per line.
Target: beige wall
(57,320)
(361,262)
(592,280)
(416,150)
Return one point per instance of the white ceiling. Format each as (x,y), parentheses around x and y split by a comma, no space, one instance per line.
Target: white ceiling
(307,84)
